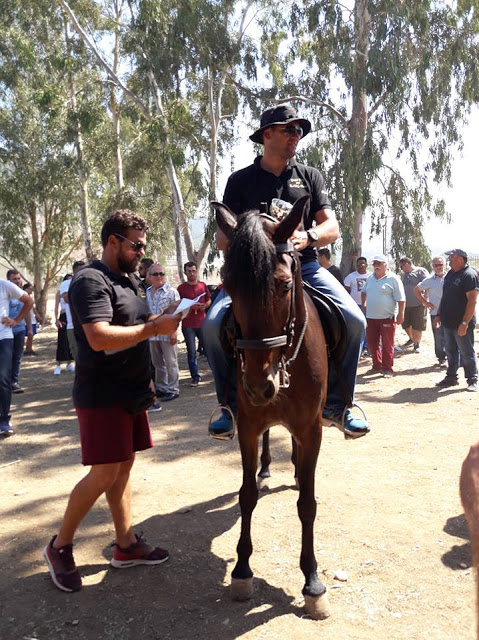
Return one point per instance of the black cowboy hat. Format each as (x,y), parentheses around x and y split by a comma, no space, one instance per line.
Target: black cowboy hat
(282,114)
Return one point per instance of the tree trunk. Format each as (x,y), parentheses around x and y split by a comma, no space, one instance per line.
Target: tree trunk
(357,134)
(40,299)
(82,175)
(214,110)
(178,214)
(115,109)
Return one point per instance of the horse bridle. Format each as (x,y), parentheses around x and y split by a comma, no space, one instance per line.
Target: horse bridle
(284,340)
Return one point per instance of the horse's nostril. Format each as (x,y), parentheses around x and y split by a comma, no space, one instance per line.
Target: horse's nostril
(259,394)
(268,390)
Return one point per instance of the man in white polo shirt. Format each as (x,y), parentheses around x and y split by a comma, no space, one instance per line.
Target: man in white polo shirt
(8,291)
(383,299)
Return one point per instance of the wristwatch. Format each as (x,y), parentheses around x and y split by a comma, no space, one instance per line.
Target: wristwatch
(313,236)
(465,323)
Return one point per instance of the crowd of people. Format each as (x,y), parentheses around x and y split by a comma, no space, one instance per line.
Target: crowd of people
(118,332)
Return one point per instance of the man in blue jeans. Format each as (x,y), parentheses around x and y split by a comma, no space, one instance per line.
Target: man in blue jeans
(20,331)
(193,323)
(8,291)
(456,314)
(272,184)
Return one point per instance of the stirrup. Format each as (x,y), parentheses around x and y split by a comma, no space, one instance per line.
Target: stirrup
(346,435)
(229,436)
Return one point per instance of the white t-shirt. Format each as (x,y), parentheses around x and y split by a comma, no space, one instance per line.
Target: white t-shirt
(8,290)
(65,285)
(356,281)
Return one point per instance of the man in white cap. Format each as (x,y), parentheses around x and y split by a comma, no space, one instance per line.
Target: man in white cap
(383,299)
(271,185)
(456,314)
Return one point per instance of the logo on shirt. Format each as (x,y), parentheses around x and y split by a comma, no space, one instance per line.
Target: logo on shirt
(297,183)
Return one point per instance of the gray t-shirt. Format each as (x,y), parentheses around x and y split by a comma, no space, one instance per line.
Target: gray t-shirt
(410,280)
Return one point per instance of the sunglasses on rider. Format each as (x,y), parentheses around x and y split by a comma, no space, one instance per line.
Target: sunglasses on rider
(158,273)
(137,246)
(292,130)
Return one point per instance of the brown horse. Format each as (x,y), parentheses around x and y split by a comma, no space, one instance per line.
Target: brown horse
(282,373)
(469,490)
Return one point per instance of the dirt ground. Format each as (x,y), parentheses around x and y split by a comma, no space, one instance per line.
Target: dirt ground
(389,516)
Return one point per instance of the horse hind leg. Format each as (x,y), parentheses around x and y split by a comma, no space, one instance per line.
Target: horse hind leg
(264,474)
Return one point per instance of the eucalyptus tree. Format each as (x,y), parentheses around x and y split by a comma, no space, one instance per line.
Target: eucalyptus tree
(181,57)
(195,51)
(389,85)
(151,106)
(39,222)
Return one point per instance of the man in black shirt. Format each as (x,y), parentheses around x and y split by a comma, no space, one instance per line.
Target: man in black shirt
(324,259)
(456,314)
(271,185)
(111,393)
(145,264)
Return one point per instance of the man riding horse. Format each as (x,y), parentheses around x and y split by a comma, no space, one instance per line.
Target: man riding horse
(271,185)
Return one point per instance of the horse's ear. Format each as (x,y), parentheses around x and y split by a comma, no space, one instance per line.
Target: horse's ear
(225,218)
(294,218)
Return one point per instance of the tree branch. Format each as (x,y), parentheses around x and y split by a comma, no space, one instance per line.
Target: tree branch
(88,41)
(317,103)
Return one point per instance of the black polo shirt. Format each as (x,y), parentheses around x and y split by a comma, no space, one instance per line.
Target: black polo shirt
(255,188)
(454,299)
(108,378)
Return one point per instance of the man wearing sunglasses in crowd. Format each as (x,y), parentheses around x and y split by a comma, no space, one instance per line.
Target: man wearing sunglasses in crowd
(163,348)
(271,184)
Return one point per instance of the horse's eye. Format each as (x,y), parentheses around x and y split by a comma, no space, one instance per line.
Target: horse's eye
(288,285)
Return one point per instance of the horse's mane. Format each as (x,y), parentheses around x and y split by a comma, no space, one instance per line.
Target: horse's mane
(250,261)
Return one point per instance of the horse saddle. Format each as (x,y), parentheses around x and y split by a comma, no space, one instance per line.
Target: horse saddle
(332,319)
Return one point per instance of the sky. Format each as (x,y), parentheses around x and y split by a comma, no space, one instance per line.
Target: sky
(463,232)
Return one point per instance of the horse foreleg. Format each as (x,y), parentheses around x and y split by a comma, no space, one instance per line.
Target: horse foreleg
(242,576)
(294,460)
(264,474)
(315,598)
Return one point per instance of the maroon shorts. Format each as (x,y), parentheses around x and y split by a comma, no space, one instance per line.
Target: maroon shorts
(112,434)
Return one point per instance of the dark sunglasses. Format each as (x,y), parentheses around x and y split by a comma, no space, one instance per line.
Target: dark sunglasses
(137,246)
(158,273)
(292,130)
(437,265)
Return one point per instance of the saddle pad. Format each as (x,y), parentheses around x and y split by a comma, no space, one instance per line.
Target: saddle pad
(332,319)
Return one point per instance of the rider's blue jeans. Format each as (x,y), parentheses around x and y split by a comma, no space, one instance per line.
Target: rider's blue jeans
(320,278)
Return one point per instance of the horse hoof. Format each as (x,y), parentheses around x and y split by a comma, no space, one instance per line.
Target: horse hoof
(317,607)
(262,483)
(241,588)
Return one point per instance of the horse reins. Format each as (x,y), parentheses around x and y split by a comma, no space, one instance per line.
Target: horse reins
(285,340)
